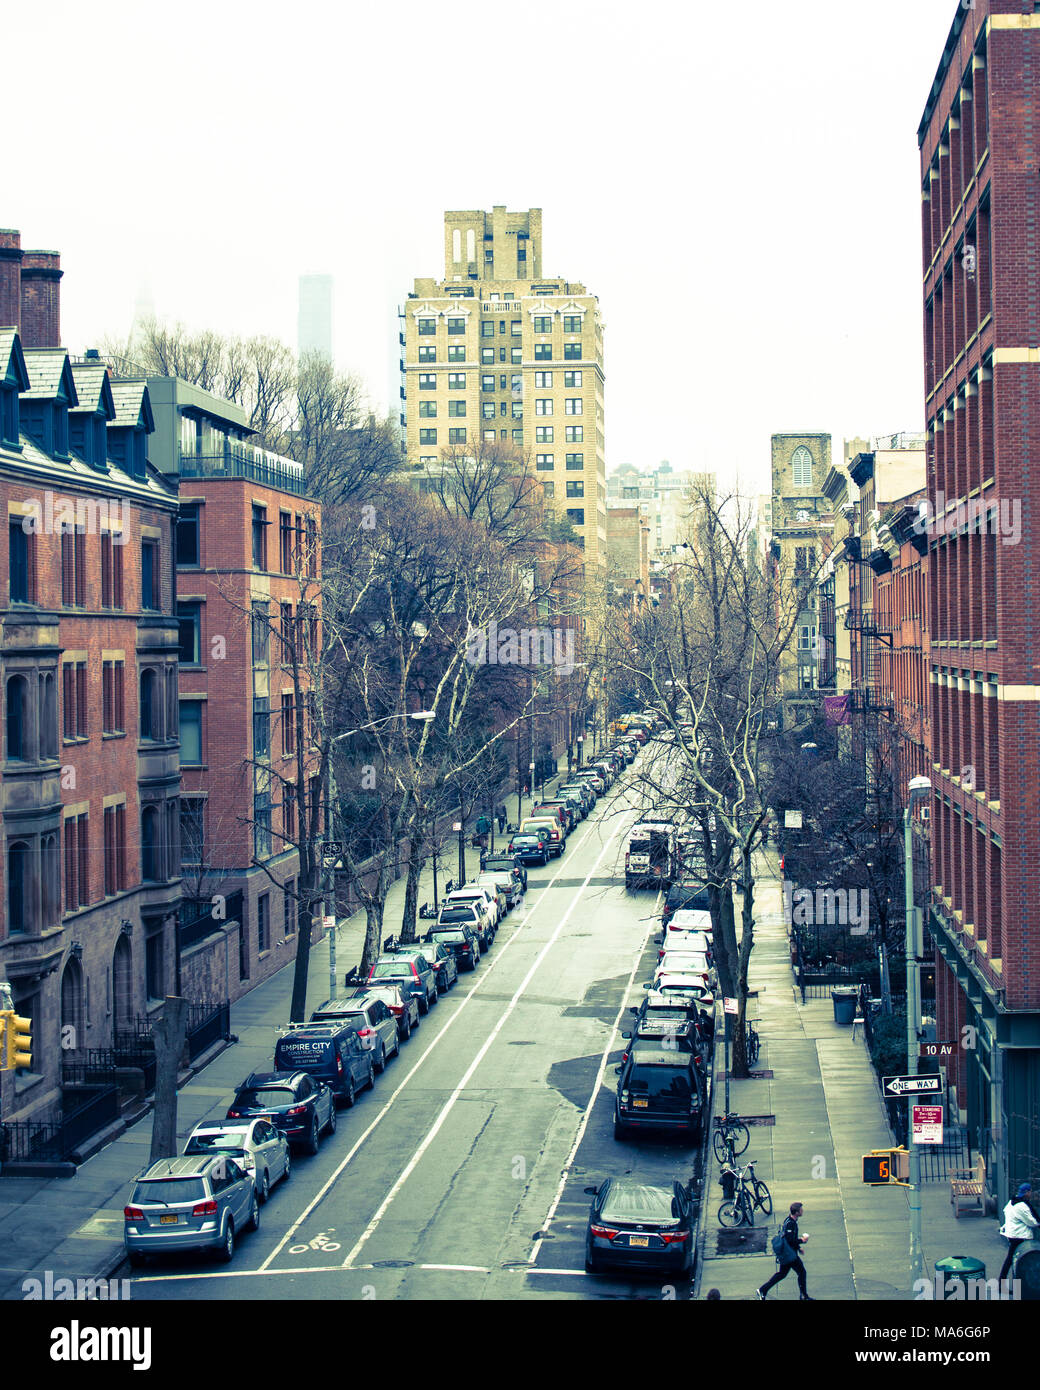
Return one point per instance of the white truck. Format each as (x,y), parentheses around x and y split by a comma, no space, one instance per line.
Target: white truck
(652,855)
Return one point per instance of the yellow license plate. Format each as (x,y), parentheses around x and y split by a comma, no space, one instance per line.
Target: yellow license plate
(642,1241)
(167,1220)
(639,1104)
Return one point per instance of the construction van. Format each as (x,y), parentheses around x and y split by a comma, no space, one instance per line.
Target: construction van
(652,855)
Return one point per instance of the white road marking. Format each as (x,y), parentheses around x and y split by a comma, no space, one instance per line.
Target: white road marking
(386,1108)
(611,1044)
(449,1105)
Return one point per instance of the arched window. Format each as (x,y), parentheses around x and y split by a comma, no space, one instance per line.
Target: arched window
(471,245)
(72,1004)
(801,467)
(48,716)
(150,846)
(17,717)
(456,246)
(149,706)
(50,865)
(122,984)
(18,887)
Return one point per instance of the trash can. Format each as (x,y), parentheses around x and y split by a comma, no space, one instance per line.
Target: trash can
(962,1270)
(1026,1270)
(844,999)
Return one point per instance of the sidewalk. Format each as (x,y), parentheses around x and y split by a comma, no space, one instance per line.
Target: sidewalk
(828,1113)
(74,1226)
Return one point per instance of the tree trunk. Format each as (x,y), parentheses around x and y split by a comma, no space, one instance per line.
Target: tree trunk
(373,934)
(298,1008)
(416,860)
(169,1033)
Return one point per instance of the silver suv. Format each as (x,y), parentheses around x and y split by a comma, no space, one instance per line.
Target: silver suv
(197,1202)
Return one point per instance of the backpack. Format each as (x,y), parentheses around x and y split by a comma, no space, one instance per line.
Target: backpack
(781,1248)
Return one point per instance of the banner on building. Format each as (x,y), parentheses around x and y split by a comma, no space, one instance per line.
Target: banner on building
(836,709)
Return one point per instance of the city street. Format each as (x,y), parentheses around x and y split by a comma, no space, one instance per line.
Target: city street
(445,1182)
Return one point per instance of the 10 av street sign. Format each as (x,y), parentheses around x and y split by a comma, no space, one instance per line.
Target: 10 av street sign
(894,1086)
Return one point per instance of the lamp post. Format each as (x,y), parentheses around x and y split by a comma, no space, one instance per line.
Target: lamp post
(329,861)
(919,790)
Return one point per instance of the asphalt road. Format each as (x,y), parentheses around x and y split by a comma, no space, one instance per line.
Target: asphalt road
(461,1175)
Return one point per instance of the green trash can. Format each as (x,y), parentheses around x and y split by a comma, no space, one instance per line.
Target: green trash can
(962,1270)
(844,999)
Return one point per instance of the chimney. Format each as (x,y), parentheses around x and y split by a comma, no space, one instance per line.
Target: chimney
(10,279)
(41,299)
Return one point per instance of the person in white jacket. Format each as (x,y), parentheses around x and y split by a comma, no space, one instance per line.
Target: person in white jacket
(1019,1224)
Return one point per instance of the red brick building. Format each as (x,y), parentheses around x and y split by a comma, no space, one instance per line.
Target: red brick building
(90,778)
(980,151)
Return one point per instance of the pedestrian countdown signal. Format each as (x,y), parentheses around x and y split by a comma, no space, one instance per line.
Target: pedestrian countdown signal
(885,1166)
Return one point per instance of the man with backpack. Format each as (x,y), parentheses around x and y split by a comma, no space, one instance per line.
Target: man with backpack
(787,1247)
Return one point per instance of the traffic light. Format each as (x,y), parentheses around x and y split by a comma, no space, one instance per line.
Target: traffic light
(17,1040)
(884,1166)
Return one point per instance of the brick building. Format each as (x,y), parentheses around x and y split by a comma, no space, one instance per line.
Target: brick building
(980,151)
(90,778)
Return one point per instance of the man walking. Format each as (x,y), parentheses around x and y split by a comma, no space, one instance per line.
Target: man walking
(790,1255)
(500,814)
(1019,1225)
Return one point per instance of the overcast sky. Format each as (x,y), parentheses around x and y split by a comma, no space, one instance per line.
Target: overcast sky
(737,183)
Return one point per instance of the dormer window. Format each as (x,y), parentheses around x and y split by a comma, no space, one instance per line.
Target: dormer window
(138,453)
(8,415)
(60,427)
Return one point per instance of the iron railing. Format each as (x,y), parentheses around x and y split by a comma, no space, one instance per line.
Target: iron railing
(236,464)
(57,1138)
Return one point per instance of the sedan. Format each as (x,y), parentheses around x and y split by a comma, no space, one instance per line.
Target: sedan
(404,1007)
(442,958)
(256,1146)
(640,1225)
(293,1101)
(530,848)
(677,940)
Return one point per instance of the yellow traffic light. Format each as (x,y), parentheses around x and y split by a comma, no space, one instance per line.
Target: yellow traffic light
(17,1040)
(885,1166)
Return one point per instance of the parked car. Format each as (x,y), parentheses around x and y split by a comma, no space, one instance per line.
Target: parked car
(658,1089)
(511,863)
(330,1051)
(463,940)
(301,1107)
(639,1225)
(688,986)
(469,914)
(670,1035)
(595,776)
(404,1008)
(685,895)
(486,904)
(442,958)
(255,1145)
(686,963)
(574,799)
(583,791)
(502,889)
(195,1202)
(531,846)
(552,826)
(505,881)
(412,970)
(561,810)
(697,941)
(371,1018)
(690,919)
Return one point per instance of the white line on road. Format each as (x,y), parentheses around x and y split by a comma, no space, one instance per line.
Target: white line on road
(449,1105)
(595,1090)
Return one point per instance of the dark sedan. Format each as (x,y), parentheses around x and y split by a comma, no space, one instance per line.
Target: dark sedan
(530,848)
(640,1225)
(293,1102)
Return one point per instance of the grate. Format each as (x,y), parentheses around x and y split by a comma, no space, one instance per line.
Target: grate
(745,1240)
(759,1119)
(764,1075)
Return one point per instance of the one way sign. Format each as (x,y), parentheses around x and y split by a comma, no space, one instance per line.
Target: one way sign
(893,1086)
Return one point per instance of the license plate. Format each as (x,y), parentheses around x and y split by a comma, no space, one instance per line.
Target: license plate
(167,1220)
(638,1104)
(643,1242)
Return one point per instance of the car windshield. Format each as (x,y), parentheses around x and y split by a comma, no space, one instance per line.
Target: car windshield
(659,1081)
(264,1097)
(458,914)
(230,1142)
(499,862)
(390,969)
(166,1192)
(630,1201)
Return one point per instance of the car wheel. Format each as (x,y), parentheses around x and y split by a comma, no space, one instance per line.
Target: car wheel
(620,1130)
(371,1078)
(330,1128)
(380,1066)
(406,1028)
(288,1165)
(314,1139)
(435,1000)
(254,1215)
(227,1250)
(424,1005)
(264,1190)
(351,1095)
(591,1267)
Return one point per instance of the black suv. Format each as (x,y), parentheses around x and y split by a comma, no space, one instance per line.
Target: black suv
(460,938)
(685,897)
(658,1089)
(329,1051)
(294,1102)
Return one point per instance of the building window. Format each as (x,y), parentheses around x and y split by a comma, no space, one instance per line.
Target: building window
(289,815)
(576,515)
(427,381)
(261,634)
(112,700)
(456,325)
(575,434)
(17,717)
(543,434)
(501,354)
(518,410)
(572,379)
(427,352)
(575,460)
(111,571)
(456,352)
(263,940)
(188,534)
(543,323)
(549,487)
(285,542)
(575,489)
(572,351)
(487,328)
(517,436)
(427,410)
(154,984)
(543,352)
(456,408)
(73,569)
(572,323)
(19,887)
(259,537)
(109,834)
(456,381)
(801,467)
(487,383)
(77,863)
(573,406)
(487,410)
(149,705)
(290,907)
(487,354)
(191,732)
(74,699)
(189,627)
(261,728)
(543,461)
(543,381)
(48,713)
(457,435)
(288,633)
(288,726)
(261,826)
(193,830)
(489,435)
(426,327)
(543,405)
(21,563)
(427,436)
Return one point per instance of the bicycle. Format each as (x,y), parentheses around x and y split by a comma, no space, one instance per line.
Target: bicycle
(731,1137)
(751,1195)
(751,1043)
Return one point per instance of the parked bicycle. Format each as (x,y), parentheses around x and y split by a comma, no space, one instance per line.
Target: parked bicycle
(751,1043)
(731,1137)
(750,1195)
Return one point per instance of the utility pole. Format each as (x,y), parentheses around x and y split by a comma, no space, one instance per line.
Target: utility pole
(328,870)
(920,788)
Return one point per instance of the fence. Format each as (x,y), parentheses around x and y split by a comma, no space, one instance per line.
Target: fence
(56,1139)
(98,1065)
(207,1024)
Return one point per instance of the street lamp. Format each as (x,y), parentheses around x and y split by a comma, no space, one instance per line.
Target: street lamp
(920,789)
(421,716)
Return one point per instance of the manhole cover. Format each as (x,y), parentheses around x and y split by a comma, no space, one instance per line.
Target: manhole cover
(745,1240)
(393,1264)
(759,1119)
(764,1075)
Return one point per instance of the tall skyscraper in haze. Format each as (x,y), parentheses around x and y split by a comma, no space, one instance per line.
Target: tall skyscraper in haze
(314,318)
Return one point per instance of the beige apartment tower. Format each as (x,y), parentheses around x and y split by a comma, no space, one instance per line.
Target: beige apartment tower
(498,353)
